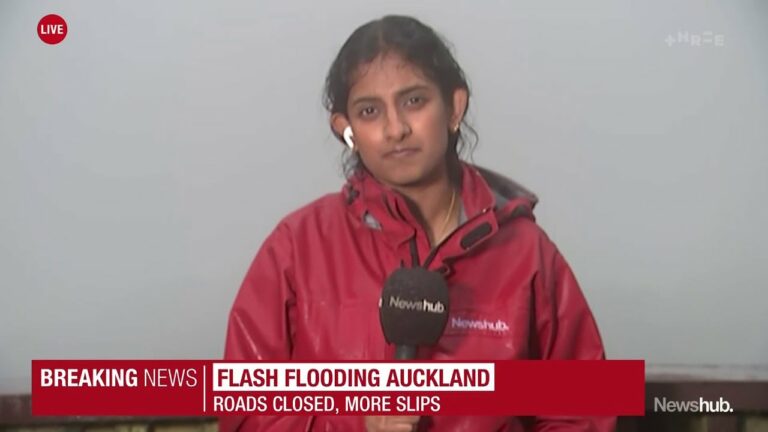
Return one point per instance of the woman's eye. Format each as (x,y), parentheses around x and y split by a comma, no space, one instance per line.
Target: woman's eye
(367,111)
(415,100)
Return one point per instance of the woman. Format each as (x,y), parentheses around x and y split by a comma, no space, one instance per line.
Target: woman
(397,100)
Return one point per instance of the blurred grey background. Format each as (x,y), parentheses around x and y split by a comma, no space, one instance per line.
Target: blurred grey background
(145,158)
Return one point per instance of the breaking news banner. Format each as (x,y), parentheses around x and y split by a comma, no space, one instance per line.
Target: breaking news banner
(210,387)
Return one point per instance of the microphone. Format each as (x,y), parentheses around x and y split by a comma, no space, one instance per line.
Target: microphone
(413,309)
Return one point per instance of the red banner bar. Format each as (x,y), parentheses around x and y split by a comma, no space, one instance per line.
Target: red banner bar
(186,387)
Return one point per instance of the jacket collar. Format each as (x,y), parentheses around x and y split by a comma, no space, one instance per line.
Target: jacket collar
(488,199)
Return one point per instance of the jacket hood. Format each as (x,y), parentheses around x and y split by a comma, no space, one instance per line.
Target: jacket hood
(511,198)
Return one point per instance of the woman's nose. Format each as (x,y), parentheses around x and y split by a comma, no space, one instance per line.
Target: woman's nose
(396,127)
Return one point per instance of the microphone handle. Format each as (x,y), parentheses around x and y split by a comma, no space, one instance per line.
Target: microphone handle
(405,352)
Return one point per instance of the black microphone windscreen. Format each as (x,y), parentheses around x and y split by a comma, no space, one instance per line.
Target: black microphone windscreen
(414,307)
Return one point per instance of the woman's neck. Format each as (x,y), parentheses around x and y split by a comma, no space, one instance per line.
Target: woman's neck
(435,205)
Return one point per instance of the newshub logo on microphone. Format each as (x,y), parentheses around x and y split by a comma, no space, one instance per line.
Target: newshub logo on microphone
(416,305)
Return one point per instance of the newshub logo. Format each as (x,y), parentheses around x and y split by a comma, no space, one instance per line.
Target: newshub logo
(417,305)
(694,406)
(464,323)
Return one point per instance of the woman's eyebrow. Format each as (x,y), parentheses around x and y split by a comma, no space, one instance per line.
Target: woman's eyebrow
(411,89)
(399,93)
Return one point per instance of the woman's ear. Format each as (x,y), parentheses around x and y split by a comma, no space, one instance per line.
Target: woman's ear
(339,122)
(341,126)
(460,99)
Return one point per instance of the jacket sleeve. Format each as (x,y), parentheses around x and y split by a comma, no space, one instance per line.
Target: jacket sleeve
(260,324)
(565,330)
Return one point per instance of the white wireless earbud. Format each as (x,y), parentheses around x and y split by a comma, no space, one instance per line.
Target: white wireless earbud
(348,137)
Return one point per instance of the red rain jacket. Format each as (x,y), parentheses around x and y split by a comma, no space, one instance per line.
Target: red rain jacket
(313,289)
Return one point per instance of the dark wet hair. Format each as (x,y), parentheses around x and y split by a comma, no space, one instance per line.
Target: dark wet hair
(418,44)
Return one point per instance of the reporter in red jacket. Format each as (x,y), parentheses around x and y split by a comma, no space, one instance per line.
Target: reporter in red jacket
(397,99)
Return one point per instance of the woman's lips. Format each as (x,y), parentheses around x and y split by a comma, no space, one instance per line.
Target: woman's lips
(401,152)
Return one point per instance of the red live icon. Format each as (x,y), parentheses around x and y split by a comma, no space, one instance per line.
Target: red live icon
(52,29)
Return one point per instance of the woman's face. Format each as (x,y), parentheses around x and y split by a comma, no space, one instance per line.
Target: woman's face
(400,122)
